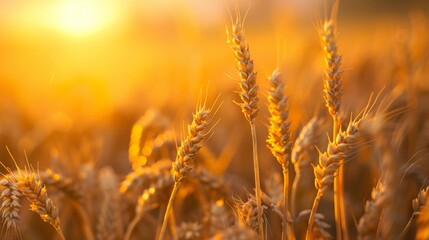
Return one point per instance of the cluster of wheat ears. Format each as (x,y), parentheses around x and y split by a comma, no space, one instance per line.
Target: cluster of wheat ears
(128,209)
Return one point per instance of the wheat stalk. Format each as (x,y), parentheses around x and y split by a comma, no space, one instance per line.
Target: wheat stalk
(249,97)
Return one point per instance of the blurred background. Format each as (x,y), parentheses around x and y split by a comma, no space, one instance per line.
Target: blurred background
(91,68)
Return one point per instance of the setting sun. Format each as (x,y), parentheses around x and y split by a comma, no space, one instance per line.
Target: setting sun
(77,17)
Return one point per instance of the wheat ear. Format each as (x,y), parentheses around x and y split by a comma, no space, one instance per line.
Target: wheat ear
(370,220)
(32,188)
(300,156)
(329,162)
(279,141)
(11,204)
(249,97)
(109,222)
(186,153)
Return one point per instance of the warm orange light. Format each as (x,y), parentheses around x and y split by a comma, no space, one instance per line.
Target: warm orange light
(83,17)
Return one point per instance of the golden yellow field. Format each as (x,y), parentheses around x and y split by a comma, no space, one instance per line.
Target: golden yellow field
(203,119)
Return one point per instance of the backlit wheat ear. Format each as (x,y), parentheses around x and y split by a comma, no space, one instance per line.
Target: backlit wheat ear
(33,189)
(186,153)
(11,204)
(245,67)
(332,76)
(279,141)
(330,160)
(185,159)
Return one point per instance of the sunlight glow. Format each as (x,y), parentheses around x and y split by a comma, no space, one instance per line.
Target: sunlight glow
(83,17)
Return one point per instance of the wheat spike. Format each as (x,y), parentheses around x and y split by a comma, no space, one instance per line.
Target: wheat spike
(332,77)
(63,184)
(278,141)
(11,204)
(32,188)
(249,88)
(185,159)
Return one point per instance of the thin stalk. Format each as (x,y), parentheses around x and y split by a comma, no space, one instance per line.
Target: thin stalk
(131,226)
(162,209)
(168,210)
(86,224)
(294,190)
(257,180)
(340,223)
(60,233)
(287,232)
(407,227)
(313,212)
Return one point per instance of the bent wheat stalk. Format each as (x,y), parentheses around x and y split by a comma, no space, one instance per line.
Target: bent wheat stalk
(248,94)
(185,158)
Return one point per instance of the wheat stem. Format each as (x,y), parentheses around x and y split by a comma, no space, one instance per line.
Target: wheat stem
(338,191)
(257,179)
(162,210)
(168,210)
(313,212)
(86,223)
(131,226)
(60,233)
(407,227)
(296,181)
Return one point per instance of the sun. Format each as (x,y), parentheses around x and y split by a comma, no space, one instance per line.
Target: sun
(83,17)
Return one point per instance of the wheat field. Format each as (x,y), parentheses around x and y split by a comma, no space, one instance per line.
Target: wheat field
(218,120)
